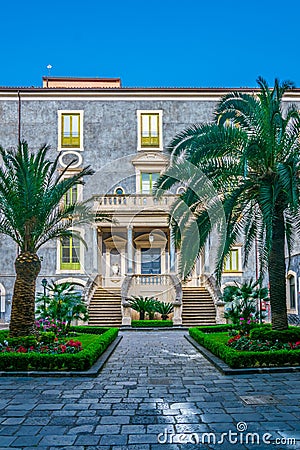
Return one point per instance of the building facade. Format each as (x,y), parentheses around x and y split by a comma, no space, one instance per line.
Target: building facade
(122,133)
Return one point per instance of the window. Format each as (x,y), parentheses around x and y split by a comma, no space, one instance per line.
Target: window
(71,196)
(70,130)
(70,253)
(232,261)
(150,129)
(181,190)
(147,182)
(292,292)
(150,260)
(119,191)
(70,136)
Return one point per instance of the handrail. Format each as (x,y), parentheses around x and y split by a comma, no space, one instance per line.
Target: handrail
(209,282)
(90,287)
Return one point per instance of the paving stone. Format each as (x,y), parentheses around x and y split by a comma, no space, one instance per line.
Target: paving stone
(28,430)
(6,441)
(13,421)
(142,439)
(114,439)
(53,430)
(87,440)
(26,441)
(58,440)
(107,429)
(114,420)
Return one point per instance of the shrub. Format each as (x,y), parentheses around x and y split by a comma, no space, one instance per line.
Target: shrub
(216,343)
(77,361)
(47,337)
(63,303)
(89,329)
(151,323)
(215,328)
(241,304)
(25,341)
(143,305)
(164,309)
(292,334)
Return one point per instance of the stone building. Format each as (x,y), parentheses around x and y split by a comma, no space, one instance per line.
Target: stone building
(122,133)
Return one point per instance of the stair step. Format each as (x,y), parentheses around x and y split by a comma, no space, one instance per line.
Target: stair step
(197,307)
(105,308)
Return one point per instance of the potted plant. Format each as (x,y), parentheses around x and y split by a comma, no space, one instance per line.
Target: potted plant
(164,309)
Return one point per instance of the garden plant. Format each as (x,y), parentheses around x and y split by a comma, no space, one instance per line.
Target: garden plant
(32,212)
(63,304)
(250,156)
(150,305)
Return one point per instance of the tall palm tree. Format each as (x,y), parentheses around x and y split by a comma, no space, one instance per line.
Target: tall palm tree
(250,155)
(31,214)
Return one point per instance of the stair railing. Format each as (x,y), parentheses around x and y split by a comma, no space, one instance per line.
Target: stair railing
(92,284)
(209,282)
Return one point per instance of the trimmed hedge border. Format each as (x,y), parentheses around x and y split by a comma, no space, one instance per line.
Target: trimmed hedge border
(241,359)
(65,362)
(151,323)
(290,335)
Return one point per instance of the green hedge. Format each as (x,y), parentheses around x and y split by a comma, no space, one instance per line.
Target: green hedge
(78,361)
(238,359)
(292,334)
(216,328)
(151,323)
(89,329)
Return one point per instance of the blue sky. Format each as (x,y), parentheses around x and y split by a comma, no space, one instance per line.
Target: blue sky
(151,42)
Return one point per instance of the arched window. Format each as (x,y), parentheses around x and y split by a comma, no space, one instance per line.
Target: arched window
(292,291)
(181,190)
(2,298)
(119,191)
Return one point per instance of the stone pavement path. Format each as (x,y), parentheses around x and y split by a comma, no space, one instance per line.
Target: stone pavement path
(155,388)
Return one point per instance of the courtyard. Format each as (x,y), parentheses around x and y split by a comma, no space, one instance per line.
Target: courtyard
(155,392)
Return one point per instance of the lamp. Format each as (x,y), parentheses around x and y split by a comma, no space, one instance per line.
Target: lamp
(44,284)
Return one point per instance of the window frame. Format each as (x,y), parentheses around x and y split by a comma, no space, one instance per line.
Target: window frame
(61,114)
(238,250)
(70,267)
(290,308)
(140,114)
(150,182)
(79,187)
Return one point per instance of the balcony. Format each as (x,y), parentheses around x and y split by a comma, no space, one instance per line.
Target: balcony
(132,202)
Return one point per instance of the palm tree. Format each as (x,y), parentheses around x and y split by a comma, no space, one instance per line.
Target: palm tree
(249,159)
(31,214)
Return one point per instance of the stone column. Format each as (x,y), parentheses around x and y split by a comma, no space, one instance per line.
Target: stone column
(172,255)
(129,250)
(95,250)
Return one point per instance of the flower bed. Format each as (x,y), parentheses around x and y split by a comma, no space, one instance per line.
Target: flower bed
(75,353)
(244,354)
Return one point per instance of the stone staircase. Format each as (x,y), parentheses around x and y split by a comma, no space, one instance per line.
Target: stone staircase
(197,307)
(105,308)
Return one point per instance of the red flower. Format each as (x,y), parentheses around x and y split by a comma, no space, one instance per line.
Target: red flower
(22,350)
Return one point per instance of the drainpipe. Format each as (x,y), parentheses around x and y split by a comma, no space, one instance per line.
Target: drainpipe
(19,118)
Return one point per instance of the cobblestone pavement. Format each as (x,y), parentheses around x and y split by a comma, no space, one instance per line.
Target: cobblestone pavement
(155,388)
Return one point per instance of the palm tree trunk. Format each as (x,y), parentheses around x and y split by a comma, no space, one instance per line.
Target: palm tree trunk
(27,267)
(277,274)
